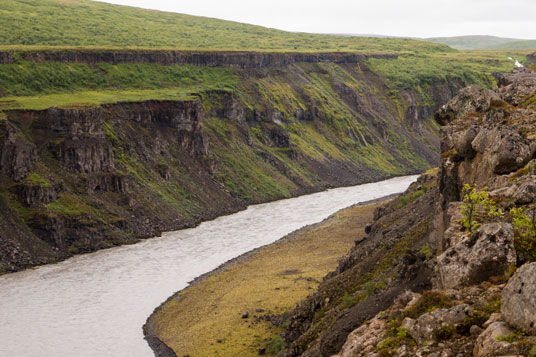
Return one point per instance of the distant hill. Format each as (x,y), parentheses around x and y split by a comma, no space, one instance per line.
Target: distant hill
(517,45)
(484,43)
(91,23)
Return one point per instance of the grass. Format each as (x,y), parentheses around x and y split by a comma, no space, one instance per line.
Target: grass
(473,67)
(35,179)
(94,98)
(26,78)
(484,42)
(273,279)
(30,85)
(91,23)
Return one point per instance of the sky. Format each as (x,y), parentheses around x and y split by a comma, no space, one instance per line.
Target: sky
(408,18)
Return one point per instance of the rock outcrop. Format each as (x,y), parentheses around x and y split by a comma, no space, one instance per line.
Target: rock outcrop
(427,325)
(489,343)
(487,252)
(197,58)
(519,299)
(487,178)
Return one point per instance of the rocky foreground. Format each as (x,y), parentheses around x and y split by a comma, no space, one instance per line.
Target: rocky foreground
(447,269)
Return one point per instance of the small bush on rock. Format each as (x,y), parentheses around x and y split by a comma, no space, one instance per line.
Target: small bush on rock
(477,206)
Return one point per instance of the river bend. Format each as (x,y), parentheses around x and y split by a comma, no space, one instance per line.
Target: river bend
(96,304)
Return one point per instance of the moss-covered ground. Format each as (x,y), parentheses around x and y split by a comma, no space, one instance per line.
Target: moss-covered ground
(206,319)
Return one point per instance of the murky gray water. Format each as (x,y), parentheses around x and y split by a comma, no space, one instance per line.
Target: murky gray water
(96,304)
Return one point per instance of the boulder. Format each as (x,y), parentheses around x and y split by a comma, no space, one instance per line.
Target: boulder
(516,86)
(526,192)
(487,252)
(363,340)
(489,343)
(462,142)
(518,302)
(470,99)
(426,325)
(506,150)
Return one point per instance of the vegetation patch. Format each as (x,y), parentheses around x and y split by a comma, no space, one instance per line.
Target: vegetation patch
(262,285)
(35,178)
(409,197)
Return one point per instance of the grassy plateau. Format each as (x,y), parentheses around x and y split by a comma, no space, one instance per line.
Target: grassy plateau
(70,25)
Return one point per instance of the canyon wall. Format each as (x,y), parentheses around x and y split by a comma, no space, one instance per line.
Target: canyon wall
(81,178)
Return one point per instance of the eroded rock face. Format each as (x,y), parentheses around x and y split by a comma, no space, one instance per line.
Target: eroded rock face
(197,58)
(86,155)
(516,86)
(470,99)
(426,325)
(33,194)
(17,155)
(489,343)
(488,252)
(363,340)
(519,299)
(107,183)
(505,150)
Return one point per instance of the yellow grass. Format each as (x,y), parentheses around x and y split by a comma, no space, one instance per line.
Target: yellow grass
(206,319)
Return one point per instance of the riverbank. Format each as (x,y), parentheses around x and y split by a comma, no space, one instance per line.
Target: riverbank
(241,307)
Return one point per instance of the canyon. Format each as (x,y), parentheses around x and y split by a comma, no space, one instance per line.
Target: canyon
(81,177)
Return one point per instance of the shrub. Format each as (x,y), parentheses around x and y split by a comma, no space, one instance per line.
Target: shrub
(275,345)
(476,204)
(524,222)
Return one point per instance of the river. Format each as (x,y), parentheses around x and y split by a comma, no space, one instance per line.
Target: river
(96,304)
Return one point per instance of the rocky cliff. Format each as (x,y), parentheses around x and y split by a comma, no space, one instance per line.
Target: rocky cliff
(84,177)
(532,58)
(447,269)
(198,58)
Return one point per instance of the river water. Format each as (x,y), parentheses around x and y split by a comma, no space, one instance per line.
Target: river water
(96,304)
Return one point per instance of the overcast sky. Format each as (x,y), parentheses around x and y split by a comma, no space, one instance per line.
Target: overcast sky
(416,18)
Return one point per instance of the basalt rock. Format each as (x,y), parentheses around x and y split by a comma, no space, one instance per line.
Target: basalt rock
(515,87)
(17,155)
(505,150)
(487,252)
(85,155)
(31,194)
(424,328)
(107,183)
(197,58)
(470,99)
(279,137)
(489,343)
(518,305)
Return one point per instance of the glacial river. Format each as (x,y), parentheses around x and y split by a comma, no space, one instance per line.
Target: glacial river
(96,304)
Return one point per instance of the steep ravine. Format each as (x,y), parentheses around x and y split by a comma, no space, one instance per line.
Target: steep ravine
(448,268)
(82,178)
